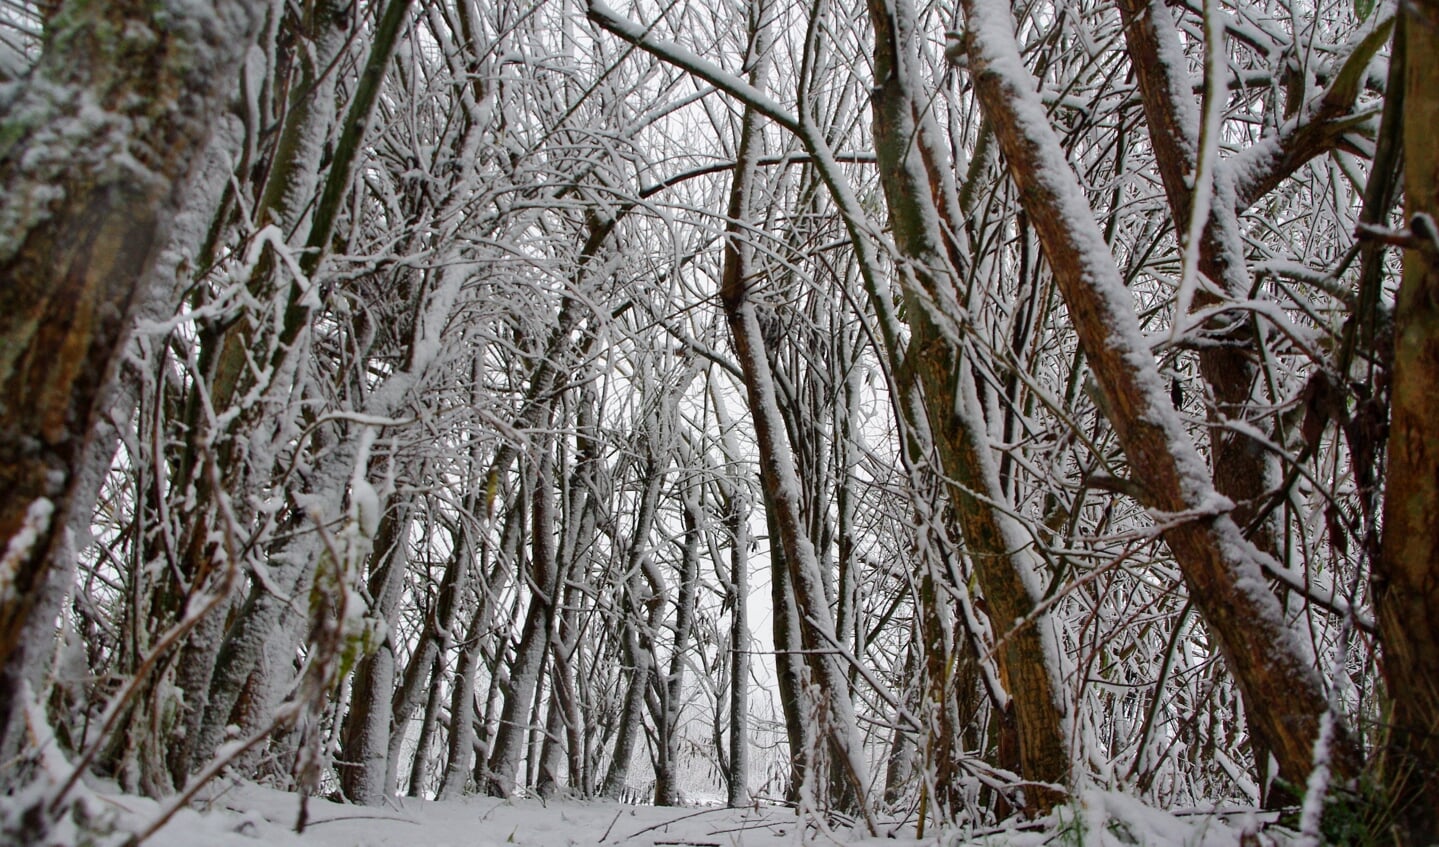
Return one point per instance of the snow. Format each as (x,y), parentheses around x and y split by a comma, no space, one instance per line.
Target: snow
(37,520)
(695,64)
(229,814)
(1103,286)
(1216,88)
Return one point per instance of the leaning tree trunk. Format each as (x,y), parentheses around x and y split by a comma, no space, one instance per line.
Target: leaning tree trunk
(1274,673)
(920,197)
(1227,361)
(98,146)
(777,470)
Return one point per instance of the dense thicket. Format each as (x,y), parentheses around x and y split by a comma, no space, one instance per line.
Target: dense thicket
(919,407)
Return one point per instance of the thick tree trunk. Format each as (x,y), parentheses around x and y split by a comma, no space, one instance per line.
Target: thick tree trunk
(1239,462)
(1274,672)
(1406,576)
(919,196)
(246,458)
(98,148)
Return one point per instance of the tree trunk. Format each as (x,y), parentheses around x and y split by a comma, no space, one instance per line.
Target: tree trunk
(777,472)
(420,764)
(1275,674)
(738,593)
(86,212)
(509,746)
(365,732)
(666,777)
(1406,588)
(791,675)
(936,365)
(463,715)
(640,618)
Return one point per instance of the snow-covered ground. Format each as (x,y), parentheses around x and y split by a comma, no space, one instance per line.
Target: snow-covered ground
(246,815)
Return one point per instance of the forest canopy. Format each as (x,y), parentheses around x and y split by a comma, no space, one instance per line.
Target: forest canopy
(937,407)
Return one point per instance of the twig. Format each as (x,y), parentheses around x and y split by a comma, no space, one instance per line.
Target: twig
(362,818)
(611,826)
(747,826)
(662,824)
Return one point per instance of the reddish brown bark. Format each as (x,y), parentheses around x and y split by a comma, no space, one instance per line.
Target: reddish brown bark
(1274,674)
(1406,576)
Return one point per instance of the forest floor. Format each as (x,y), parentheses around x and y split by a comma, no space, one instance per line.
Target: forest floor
(245,815)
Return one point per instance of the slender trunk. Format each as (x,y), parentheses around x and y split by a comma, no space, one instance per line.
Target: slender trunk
(551,757)
(640,619)
(524,684)
(420,765)
(666,778)
(461,744)
(903,751)
(777,472)
(792,676)
(463,715)
(566,729)
(365,733)
(737,593)
(536,734)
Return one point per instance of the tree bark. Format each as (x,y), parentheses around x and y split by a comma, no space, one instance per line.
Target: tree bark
(919,196)
(365,732)
(509,746)
(98,147)
(666,776)
(1406,576)
(1274,672)
(737,592)
(777,472)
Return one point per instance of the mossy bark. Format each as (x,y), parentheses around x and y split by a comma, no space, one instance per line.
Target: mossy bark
(96,151)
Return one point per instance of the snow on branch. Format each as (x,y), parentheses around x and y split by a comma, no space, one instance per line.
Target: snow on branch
(686,60)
